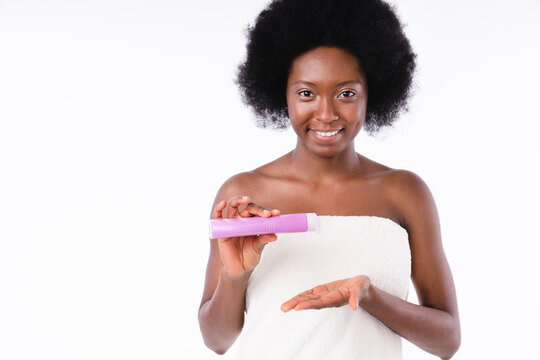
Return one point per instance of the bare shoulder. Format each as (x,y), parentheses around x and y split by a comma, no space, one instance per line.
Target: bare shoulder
(237,185)
(406,184)
(259,184)
(411,199)
(394,182)
(407,193)
(248,182)
(239,181)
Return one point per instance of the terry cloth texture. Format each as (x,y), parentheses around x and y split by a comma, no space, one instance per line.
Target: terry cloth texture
(344,246)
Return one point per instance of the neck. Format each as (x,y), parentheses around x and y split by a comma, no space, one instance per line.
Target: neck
(316,169)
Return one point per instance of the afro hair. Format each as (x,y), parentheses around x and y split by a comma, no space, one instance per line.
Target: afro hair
(368,29)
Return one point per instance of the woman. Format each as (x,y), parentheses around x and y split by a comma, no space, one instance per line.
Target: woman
(329,68)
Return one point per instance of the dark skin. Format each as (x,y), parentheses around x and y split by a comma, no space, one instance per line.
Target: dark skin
(327,90)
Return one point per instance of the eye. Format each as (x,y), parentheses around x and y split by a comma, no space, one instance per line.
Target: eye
(347,93)
(305,93)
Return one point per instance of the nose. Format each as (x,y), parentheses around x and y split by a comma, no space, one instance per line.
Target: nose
(325,110)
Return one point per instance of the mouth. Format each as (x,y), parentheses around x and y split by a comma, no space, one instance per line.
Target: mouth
(326,135)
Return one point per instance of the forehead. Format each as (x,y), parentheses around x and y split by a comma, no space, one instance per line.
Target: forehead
(326,64)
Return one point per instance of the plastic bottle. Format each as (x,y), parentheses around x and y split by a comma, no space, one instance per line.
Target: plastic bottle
(290,223)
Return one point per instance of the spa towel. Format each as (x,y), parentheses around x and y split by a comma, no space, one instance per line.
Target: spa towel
(344,246)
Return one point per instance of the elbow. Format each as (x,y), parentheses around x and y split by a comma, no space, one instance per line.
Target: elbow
(212,338)
(220,350)
(216,344)
(451,351)
(213,343)
(454,341)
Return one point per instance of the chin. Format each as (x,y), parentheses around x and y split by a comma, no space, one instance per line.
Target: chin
(324,152)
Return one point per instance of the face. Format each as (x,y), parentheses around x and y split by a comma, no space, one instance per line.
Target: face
(327,98)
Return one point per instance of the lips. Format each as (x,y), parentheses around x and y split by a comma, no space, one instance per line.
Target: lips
(326,135)
(326,130)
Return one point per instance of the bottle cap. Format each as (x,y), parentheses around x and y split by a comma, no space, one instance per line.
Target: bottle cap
(210,229)
(312,221)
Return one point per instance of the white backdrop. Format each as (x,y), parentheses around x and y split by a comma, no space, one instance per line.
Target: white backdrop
(119,121)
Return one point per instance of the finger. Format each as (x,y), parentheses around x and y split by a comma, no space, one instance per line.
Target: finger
(353,300)
(257,245)
(306,295)
(288,305)
(260,242)
(234,203)
(311,304)
(266,238)
(330,299)
(355,291)
(291,303)
(218,210)
(320,290)
(253,209)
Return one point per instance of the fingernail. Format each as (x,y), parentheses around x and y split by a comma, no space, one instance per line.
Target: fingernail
(245,197)
(266,211)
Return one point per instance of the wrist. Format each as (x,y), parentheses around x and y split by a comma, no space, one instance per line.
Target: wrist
(367,295)
(236,278)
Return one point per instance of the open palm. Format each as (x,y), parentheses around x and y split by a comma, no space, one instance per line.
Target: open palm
(333,294)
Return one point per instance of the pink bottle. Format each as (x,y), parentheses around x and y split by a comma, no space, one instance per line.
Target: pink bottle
(301,222)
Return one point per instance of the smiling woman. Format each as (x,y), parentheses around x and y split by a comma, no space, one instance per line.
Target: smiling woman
(328,69)
(326,98)
(368,30)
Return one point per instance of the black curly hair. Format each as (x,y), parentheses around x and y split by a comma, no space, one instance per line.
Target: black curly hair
(368,29)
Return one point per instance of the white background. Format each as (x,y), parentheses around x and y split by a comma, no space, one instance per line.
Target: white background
(119,120)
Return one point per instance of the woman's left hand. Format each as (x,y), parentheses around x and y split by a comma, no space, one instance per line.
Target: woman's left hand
(334,294)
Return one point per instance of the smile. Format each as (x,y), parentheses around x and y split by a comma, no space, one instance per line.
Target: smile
(326,135)
(331,133)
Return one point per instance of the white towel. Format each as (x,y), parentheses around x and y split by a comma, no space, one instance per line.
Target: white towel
(344,246)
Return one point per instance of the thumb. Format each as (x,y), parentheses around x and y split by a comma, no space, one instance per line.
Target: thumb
(354,298)
(262,240)
(266,238)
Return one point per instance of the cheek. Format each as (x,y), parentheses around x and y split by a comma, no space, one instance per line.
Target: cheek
(358,111)
(361,112)
(299,111)
(352,113)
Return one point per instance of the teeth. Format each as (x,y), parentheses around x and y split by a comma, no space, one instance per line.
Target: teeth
(332,133)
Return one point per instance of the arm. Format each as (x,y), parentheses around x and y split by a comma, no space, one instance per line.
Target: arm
(230,264)
(434,324)
(221,317)
(433,330)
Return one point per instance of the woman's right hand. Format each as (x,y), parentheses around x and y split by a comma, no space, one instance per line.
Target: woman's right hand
(241,254)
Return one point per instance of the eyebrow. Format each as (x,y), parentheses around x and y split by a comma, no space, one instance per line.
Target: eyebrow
(340,84)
